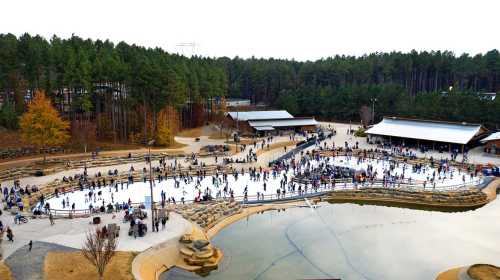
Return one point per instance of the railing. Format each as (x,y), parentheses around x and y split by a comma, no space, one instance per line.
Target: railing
(371,154)
(72,185)
(267,198)
(294,151)
(331,185)
(387,184)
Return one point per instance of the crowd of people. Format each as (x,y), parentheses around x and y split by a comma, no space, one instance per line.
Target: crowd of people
(321,167)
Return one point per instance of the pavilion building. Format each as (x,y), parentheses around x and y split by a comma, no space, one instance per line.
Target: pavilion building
(445,136)
(492,143)
(262,122)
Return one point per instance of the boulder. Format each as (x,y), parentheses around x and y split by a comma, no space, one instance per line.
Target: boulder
(200,244)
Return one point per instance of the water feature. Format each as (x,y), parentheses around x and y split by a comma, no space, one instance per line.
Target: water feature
(352,241)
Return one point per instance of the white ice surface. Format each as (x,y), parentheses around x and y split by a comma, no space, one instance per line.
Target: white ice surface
(139,190)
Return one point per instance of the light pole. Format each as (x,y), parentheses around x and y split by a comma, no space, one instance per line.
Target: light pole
(150,143)
(237,139)
(373,109)
(237,121)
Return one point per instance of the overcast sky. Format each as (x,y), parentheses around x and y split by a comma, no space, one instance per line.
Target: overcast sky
(303,30)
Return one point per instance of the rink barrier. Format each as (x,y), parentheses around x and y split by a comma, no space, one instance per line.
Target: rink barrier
(397,185)
(385,155)
(340,185)
(300,147)
(48,190)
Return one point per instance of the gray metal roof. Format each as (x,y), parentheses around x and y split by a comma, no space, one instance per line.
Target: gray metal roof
(260,115)
(492,137)
(426,130)
(283,122)
(264,128)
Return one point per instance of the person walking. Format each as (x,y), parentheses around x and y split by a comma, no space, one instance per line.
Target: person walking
(163,222)
(10,235)
(30,245)
(157,224)
(51,219)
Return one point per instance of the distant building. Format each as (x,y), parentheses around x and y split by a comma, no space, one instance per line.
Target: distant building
(425,133)
(490,96)
(237,102)
(492,143)
(260,122)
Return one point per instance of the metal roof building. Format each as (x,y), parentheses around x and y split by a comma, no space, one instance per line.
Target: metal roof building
(493,137)
(447,132)
(284,122)
(237,102)
(260,115)
(262,121)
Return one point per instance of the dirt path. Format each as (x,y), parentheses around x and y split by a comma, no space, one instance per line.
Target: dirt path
(189,148)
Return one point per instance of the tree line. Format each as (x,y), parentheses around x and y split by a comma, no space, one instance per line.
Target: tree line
(428,85)
(128,92)
(122,88)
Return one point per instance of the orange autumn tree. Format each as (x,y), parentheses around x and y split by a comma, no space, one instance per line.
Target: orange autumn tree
(42,126)
(167,126)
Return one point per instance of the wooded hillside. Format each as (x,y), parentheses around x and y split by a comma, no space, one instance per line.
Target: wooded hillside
(126,92)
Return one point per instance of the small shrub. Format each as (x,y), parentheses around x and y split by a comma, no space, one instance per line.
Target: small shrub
(360,132)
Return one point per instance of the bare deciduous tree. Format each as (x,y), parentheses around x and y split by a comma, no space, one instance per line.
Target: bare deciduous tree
(365,114)
(98,249)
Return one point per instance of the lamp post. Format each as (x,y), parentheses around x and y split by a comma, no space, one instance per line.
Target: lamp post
(373,100)
(237,121)
(150,143)
(237,139)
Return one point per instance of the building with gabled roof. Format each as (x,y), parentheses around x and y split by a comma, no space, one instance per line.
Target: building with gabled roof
(407,130)
(266,121)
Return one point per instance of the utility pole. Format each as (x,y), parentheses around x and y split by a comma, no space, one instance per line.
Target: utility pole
(237,122)
(191,45)
(150,143)
(373,109)
(237,130)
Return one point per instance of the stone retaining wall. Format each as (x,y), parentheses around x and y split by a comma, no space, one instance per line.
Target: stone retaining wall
(58,165)
(466,199)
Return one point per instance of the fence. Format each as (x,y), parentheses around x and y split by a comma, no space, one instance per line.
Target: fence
(340,184)
(294,151)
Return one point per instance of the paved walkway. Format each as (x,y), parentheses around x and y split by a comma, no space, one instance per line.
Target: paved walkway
(71,232)
(28,265)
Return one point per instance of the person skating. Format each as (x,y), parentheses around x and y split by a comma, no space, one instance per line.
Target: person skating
(10,235)
(163,222)
(157,224)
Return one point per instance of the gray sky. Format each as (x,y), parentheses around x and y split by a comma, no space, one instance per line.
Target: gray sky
(303,30)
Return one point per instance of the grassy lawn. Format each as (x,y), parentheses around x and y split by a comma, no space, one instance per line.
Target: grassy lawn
(72,265)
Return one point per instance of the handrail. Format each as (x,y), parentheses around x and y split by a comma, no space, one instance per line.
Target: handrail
(340,184)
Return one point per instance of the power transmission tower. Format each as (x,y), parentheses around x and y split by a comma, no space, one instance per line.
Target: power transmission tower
(191,45)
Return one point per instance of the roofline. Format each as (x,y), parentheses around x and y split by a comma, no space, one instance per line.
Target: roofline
(257,111)
(281,119)
(460,143)
(432,121)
